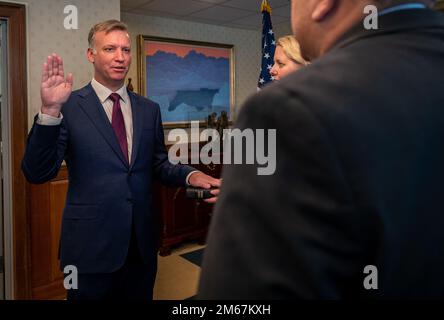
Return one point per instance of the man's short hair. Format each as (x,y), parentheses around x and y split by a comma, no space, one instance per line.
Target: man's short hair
(107,26)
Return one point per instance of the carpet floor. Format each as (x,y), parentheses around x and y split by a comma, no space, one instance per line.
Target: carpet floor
(178,274)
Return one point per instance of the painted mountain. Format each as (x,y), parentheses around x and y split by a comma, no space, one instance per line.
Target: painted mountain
(188,87)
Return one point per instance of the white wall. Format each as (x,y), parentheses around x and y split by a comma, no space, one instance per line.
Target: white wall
(46,34)
(246,43)
(282,29)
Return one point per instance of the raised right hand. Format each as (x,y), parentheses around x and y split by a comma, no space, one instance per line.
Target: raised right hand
(55,89)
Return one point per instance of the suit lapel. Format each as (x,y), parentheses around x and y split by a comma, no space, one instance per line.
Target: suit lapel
(137,112)
(91,105)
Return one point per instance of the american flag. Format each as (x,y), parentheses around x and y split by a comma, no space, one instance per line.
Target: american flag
(268,45)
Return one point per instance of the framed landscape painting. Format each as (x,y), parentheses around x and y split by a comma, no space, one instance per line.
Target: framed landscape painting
(190,80)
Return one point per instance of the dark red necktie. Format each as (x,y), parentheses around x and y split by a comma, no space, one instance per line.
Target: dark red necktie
(118,124)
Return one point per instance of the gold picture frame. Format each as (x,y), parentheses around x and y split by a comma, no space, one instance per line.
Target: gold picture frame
(190,80)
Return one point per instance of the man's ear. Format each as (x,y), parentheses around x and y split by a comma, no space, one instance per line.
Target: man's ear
(322,9)
(90,55)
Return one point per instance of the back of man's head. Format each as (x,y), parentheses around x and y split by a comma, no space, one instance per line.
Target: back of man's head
(317,24)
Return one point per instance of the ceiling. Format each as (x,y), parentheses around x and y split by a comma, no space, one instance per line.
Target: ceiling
(244,14)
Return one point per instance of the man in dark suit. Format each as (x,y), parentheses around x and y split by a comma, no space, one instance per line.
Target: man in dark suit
(354,209)
(113,144)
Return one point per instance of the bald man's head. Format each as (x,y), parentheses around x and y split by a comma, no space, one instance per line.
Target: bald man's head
(317,24)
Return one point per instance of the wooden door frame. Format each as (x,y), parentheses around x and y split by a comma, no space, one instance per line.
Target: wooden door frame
(16,17)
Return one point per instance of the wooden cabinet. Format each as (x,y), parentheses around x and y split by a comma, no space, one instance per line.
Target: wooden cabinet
(182,218)
(47,202)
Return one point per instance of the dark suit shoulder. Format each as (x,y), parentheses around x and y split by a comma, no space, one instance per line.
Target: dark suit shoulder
(83,92)
(325,89)
(278,107)
(75,96)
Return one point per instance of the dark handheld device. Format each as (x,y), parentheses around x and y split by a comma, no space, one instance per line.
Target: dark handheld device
(199,193)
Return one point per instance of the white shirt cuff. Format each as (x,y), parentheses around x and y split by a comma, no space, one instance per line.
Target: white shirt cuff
(187,180)
(47,120)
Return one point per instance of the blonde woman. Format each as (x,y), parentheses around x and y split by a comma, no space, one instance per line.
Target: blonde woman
(287,57)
